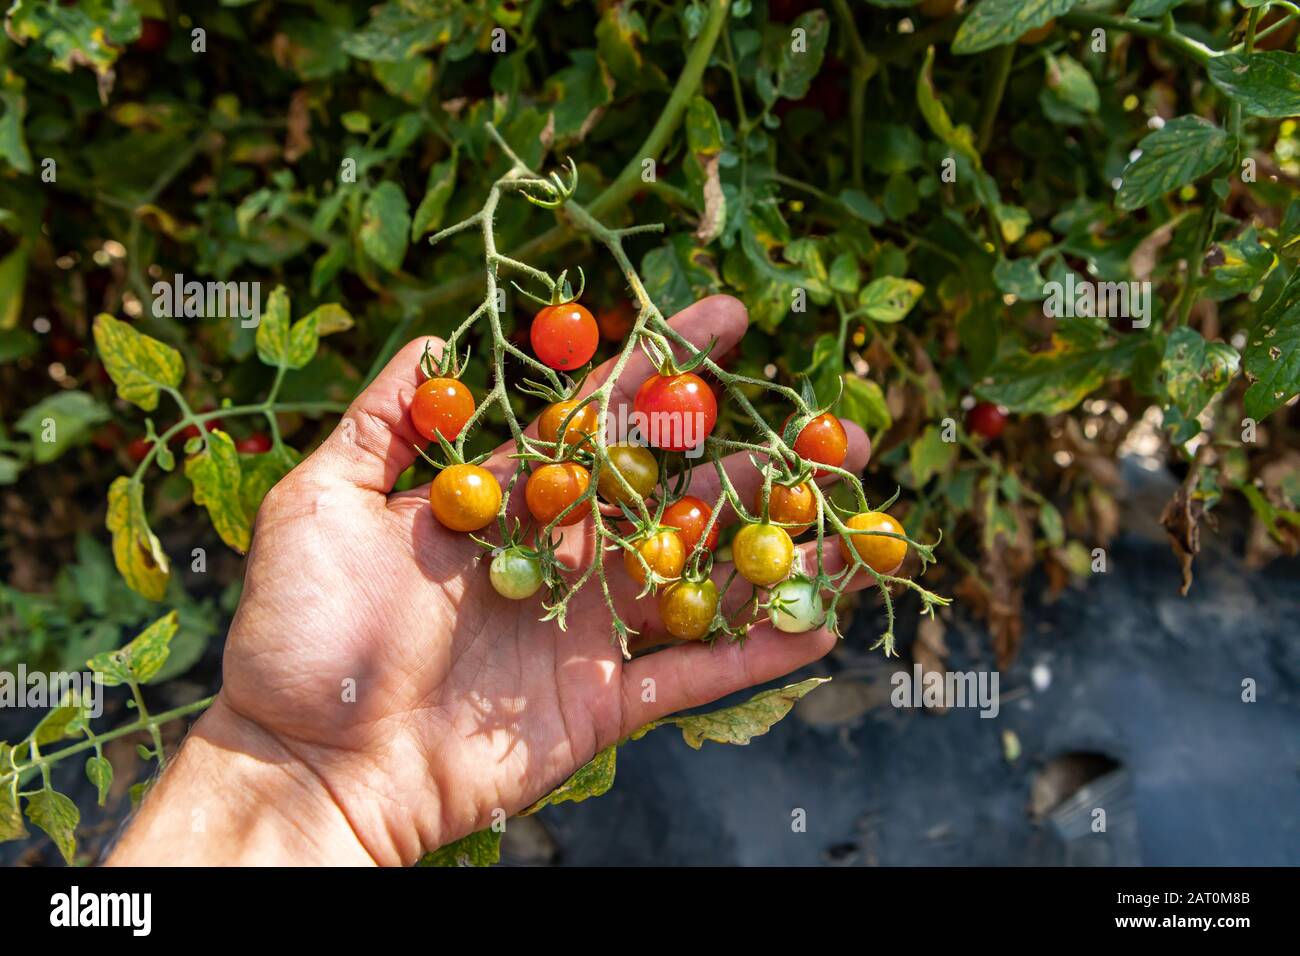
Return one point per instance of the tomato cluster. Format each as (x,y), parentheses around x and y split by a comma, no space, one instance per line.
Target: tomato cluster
(668,537)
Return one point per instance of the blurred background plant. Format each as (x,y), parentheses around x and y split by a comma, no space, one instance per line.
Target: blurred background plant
(889,187)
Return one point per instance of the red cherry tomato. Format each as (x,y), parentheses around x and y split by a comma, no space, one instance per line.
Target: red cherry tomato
(564,336)
(680,410)
(689,515)
(153,35)
(441,405)
(616,322)
(138,448)
(255,444)
(192,431)
(986,420)
(822,441)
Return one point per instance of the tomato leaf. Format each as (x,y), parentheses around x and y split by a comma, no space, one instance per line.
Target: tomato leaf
(998,22)
(1183,150)
(1273,354)
(890,299)
(215,474)
(58,817)
(478,849)
(930,455)
(140,660)
(739,724)
(1265,84)
(442,180)
(137,552)
(99,771)
(385,226)
(1057,380)
(592,779)
(138,364)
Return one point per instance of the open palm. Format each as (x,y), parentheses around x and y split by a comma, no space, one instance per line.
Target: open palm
(370,644)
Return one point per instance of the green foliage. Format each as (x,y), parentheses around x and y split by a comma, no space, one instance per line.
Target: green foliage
(892,206)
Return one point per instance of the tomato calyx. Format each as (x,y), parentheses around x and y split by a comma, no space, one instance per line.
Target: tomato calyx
(663,360)
(447,365)
(560,291)
(551,192)
(542,550)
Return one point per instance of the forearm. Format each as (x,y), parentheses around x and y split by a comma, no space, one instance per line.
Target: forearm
(234,796)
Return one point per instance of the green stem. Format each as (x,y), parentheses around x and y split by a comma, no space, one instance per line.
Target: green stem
(994,92)
(1164,32)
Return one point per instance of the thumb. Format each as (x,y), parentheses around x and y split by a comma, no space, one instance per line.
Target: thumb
(374,441)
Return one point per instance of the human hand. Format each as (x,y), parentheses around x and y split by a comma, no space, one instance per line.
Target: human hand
(380,697)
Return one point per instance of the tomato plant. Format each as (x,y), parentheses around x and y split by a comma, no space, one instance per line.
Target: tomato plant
(465,497)
(1082,217)
(763,553)
(663,552)
(441,406)
(687,608)
(690,516)
(553,488)
(516,573)
(680,409)
(564,336)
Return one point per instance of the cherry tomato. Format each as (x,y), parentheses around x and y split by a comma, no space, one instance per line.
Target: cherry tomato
(986,420)
(687,608)
(192,431)
(822,441)
(796,506)
(581,424)
(138,448)
(639,469)
(763,553)
(153,35)
(515,573)
(441,405)
(796,605)
(616,322)
(108,437)
(564,336)
(552,488)
(465,497)
(883,555)
(689,515)
(255,444)
(679,410)
(664,551)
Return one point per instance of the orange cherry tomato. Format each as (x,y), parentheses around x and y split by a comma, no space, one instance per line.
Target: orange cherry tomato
(616,322)
(794,506)
(580,425)
(465,497)
(689,515)
(564,336)
(664,551)
(680,410)
(552,488)
(441,405)
(883,555)
(822,441)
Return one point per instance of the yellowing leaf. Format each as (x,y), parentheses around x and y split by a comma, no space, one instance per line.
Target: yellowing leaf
(281,344)
(478,849)
(739,724)
(136,551)
(590,780)
(215,475)
(138,661)
(57,816)
(138,364)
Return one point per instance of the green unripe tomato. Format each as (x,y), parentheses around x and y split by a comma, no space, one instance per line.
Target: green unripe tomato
(516,574)
(796,606)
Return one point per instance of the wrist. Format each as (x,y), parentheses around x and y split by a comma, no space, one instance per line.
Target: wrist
(235,795)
